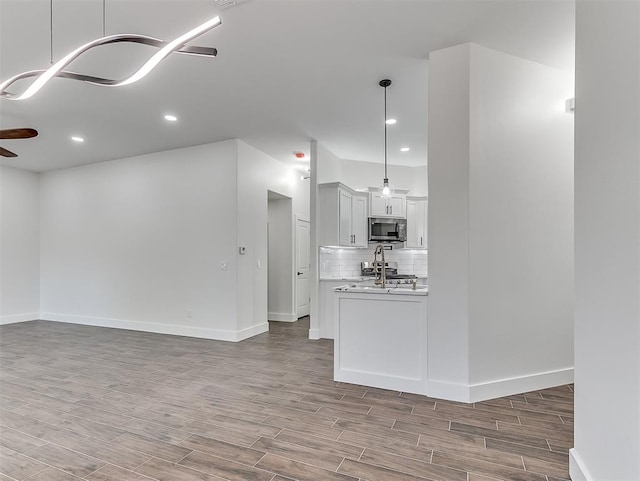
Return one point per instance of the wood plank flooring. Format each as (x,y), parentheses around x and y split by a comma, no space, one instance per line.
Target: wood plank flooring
(81,402)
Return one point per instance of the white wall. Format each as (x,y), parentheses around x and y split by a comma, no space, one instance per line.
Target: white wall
(607,274)
(257,174)
(360,175)
(151,242)
(328,168)
(520,219)
(19,245)
(138,242)
(448,235)
(500,224)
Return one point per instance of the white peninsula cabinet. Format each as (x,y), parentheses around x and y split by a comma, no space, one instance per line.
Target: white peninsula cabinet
(392,206)
(417,211)
(343,216)
(380,337)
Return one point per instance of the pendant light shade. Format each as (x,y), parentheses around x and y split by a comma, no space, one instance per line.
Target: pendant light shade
(386,189)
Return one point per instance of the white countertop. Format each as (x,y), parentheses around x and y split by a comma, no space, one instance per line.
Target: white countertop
(346,279)
(393,290)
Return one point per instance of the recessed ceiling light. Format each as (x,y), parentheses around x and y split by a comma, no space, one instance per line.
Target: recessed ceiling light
(391,121)
(170,118)
(75,138)
(405,149)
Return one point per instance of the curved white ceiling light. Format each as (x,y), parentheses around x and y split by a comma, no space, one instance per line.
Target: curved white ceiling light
(56,70)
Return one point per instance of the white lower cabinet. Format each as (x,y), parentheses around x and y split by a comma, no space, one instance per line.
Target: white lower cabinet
(380,340)
(417,212)
(343,216)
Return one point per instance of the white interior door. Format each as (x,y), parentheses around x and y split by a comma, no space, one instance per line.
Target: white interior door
(303,264)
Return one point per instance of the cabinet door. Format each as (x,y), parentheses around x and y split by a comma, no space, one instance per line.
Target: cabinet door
(425,223)
(416,224)
(379,207)
(345,223)
(397,206)
(359,224)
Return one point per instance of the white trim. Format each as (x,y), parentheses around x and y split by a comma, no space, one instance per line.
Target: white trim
(450,391)
(396,383)
(282,317)
(516,385)
(500,388)
(173,329)
(314,334)
(248,332)
(14,318)
(577,469)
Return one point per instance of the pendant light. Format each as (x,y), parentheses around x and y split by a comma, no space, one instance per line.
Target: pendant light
(386,189)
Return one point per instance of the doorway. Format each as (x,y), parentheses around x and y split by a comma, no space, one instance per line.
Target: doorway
(281,305)
(303,266)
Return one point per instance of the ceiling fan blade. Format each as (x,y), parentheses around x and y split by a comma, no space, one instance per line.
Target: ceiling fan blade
(18,133)
(7,153)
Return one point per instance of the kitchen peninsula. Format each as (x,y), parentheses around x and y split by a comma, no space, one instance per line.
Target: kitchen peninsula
(381,336)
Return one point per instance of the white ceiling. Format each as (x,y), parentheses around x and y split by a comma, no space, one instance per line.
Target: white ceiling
(287,72)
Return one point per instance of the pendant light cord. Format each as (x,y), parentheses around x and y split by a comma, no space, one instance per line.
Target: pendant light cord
(385,133)
(51,32)
(104,18)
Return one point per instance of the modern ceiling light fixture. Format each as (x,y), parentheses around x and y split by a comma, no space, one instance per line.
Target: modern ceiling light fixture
(385,189)
(170,118)
(177,45)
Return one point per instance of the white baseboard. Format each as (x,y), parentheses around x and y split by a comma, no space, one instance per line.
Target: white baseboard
(248,332)
(577,469)
(449,391)
(282,317)
(12,319)
(314,334)
(499,388)
(173,329)
(516,385)
(410,385)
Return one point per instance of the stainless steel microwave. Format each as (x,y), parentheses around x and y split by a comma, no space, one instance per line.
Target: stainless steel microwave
(387,229)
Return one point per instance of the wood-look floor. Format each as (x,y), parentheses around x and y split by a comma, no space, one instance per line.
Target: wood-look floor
(80,402)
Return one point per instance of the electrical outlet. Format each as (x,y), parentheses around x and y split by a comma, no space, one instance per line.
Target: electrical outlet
(224,266)
(259,264)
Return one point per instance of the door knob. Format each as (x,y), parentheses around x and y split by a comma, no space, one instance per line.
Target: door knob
(299,273)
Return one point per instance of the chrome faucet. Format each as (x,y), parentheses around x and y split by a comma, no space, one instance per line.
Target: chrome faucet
(382,280)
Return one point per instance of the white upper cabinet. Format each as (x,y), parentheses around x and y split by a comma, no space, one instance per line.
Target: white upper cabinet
(417,211)
(359,224)
(392,206)
(343,216)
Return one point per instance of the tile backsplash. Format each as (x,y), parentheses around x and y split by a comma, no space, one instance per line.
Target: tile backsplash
(343,263)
